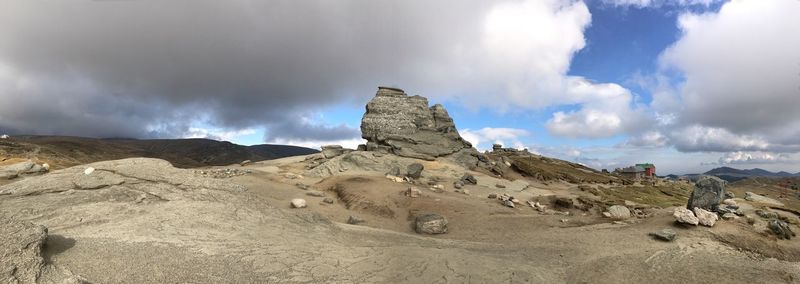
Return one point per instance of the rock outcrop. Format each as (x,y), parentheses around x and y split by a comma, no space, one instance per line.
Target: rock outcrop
(21,251)
(708,193)
(406,126)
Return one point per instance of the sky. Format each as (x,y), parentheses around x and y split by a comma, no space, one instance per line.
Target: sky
(688,85)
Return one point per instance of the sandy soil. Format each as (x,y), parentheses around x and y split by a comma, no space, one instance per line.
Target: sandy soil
(212,233)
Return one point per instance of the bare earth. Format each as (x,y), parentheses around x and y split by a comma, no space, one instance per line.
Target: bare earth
(143,221)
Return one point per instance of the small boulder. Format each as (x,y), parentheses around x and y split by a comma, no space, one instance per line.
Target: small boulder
(492,195)
(353,220)
(708,193)
(619,212)
(315,193)
(412,192)
(500,185)
(414,170)
(331,151)
(705,218)
(245,163)
(469,179)
(302,186)
(781,229)
(729,216)
(431,224)
(299,203)
(729,202)
(508,203)
(685,216)
(666,235)
(458,184)
(328,200)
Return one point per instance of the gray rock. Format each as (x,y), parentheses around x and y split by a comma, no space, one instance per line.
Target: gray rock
(14,170)
(500,185)
(666,235)
(729,195)
(405,126)
(619,212)
(749,196)
(469,179)
(685,216)
(508,203)
(729,216)
(458,184)
(431,224)
(414,170)
(492,195)
(302,186)
(353,220)
(330,151)
(780,229)
(708,193)
(315,193)
(766,214)
(245,163)
(328,200)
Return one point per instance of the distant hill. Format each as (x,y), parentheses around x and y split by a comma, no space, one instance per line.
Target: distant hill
(732,175)
(65,151)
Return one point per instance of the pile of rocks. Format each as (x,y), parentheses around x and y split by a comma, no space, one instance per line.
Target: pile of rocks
(222,173)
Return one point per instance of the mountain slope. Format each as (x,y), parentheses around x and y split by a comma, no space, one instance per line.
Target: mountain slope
(65,151)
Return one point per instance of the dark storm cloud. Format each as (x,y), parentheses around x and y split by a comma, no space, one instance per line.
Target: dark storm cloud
(302,130)
(144,68)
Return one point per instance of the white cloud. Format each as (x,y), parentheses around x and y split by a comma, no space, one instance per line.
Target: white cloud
(217,134)
(316,144)
(649,139)
(710,139)
(741,157)
(659,3)
(483,138)
(742,79)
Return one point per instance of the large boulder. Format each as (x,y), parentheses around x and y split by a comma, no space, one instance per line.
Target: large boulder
(705,218)
(709,191)
(619,212)
(406,126)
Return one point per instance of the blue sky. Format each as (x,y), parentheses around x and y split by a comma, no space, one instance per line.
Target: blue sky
(687,84)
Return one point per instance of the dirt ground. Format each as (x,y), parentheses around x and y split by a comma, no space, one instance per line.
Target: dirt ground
(216,235)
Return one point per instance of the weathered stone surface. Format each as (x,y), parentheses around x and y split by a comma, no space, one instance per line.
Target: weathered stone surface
(21,251)
(353,220)
(705,218)
(666,235)
(431,224)
(315,193)
(619,212)
(14,170)
(685,216)
(708,193)
(415,170)
(469,179)
(405,126)
(749,196)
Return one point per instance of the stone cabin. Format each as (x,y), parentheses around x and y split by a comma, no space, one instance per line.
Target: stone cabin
(634,172)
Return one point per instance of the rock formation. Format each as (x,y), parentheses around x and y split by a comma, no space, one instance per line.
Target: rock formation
(405,126)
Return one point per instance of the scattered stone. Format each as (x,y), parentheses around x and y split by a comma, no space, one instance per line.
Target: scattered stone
(395,178)
(729,202)
(328,200)
(619,212)
(666,235)
(564,220)
(685,216)
(245,163)
(431,224)
(299,203)
(469,179)
(292,176)
(222,173)
(331,151)
(729,216)
(458,184)
(729,195)
(492,195)
(781,229)
(46,166)
(414,170)
(413,192)
(353,220)
(705,218)
(88,171)
(749,196)
(708,193)
(767,214)
(500,185)
(508,203)
(302,186)
(438,188)
(315,193)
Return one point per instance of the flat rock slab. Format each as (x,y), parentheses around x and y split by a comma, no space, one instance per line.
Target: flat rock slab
(749,196)
(20,250)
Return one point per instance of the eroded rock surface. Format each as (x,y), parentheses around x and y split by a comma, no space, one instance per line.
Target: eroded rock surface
(21,250)
(406,126)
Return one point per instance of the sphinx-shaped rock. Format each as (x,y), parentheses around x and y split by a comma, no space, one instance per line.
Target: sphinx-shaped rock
(406,126)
